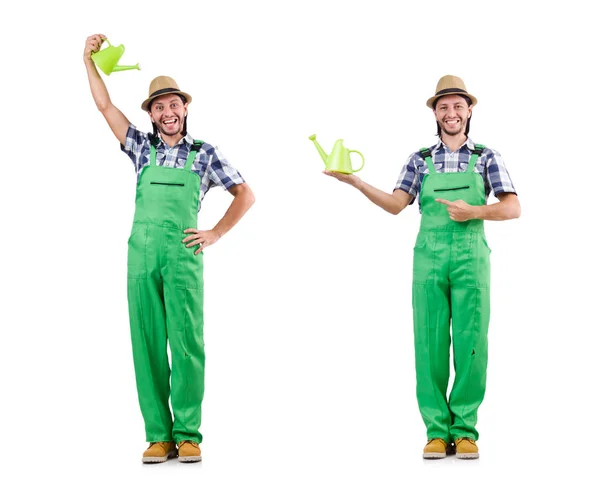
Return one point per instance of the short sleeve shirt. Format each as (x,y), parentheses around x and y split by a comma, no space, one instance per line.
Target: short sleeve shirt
(489,164)
(209,164)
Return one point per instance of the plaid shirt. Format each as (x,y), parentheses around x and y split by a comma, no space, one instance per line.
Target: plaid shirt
(490,165)
(209,164)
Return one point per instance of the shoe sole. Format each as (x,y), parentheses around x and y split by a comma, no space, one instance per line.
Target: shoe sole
(158,459)
(189,459)
(434,456)
(467,456)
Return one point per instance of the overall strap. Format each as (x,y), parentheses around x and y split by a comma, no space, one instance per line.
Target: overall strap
(474,156)
(192,156)
(153,144)
(426,155)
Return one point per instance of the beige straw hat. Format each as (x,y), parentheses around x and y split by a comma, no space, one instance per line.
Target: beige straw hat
(450,85)
(163,85)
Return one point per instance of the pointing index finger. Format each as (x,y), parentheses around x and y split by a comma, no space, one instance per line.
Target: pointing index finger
(443,201)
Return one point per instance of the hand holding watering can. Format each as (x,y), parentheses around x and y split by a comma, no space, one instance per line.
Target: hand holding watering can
(107,58)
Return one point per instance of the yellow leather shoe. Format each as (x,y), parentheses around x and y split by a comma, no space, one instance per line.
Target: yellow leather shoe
(466,449)
(159,452)
(435,448)
(189,451)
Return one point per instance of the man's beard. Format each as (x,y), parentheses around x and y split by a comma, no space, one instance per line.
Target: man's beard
(450,133)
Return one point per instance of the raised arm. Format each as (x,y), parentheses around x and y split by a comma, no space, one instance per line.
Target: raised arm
(392,203)
(116,120)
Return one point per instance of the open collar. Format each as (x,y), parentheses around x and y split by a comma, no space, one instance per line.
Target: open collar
(469,143)
(186,139)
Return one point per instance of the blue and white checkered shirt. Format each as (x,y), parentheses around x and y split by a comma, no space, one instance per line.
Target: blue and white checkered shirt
(489,164)
(209,164)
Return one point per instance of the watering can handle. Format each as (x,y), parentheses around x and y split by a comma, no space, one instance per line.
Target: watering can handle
(363,160)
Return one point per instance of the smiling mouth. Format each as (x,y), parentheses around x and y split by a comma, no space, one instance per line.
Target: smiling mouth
(451,122)
(170,122)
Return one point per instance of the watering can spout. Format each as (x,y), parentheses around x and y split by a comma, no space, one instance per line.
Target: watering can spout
(324,155)
(123,67)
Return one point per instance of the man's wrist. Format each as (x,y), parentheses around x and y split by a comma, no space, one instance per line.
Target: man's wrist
(478,212)
(90,65)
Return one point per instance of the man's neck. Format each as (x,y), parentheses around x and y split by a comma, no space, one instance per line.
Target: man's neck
(171,140)
(454,142)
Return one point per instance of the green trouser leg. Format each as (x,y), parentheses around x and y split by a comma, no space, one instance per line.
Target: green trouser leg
(431,314)
(187,355)
(470,300)
(151,364)
(432,355)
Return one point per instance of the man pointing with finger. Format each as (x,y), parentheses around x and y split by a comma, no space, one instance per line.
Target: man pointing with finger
(451,268)
(165,285)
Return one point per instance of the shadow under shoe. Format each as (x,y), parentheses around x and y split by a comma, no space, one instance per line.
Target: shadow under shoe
(159,452)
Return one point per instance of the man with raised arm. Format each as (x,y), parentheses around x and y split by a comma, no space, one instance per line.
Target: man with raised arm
(165,287)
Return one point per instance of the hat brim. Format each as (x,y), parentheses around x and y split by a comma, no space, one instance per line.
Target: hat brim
(159,93)
(431,100)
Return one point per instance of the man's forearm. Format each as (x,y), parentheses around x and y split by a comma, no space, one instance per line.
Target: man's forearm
(97,86)
(242,201)
(507,208)
(382,199)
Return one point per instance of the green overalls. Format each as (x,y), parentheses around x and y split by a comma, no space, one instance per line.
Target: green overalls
(451,288)
(165,294)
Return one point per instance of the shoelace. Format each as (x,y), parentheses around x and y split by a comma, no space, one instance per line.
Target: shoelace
(433,439)
(158,443)
(188,441)
(470,440)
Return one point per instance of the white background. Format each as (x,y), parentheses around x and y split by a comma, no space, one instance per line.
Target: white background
(308,322)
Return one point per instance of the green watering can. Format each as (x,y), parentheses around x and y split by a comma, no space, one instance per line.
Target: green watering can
(339,159)
(108,58)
